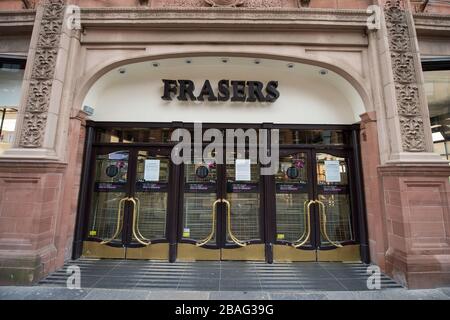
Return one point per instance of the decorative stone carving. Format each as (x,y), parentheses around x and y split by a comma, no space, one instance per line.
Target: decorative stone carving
(412,133)
(44,63)
(49,40)
(399,42)
(42,73)
(185,3)
(407,99)
(225,3)
(303,3)
(403,67)
(54,10)
(39,97)
(407,93)
(33,125)
(51,26)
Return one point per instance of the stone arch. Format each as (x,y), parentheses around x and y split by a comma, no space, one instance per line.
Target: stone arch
(341,68)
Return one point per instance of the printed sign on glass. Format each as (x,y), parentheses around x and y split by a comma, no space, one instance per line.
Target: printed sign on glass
(151,170)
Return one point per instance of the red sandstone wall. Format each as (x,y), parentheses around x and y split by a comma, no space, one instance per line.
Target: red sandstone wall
(11,5)
(341,4)
(440,8)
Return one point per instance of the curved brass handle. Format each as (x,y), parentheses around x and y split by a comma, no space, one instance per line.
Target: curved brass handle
(213,228)
(323,225)
(232,236)
(134,224)
(137,219)
(307,210)
(119,222)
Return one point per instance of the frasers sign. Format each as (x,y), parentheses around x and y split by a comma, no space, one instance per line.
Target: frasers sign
(225,90)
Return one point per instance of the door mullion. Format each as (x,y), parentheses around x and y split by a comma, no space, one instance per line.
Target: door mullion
(315,219)
(130,190)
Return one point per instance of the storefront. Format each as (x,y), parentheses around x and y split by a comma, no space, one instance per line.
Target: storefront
(203,210)
(357,178)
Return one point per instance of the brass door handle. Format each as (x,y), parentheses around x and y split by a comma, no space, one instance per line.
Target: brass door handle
(119,222)
(137,235)
(213,228)
(307,210)
(232,236)
(323,224)
(137,219)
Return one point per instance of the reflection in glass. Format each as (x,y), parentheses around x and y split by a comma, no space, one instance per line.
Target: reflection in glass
(111,172)
(327,137)
(152,196)
(132,135)
(8,118)
(437,87)
(245,203)
(291,195)
(199,195)
(335,195)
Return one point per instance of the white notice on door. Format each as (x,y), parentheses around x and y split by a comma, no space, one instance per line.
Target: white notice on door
(332,172)
(242,170)
(151,170)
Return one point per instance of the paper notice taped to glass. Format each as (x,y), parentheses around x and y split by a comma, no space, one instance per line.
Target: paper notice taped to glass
(332,171)
(151,170)
(242,170)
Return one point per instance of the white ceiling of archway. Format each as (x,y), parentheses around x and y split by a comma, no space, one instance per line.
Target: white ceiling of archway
(307,97)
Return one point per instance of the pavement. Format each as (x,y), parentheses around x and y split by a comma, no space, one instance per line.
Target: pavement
(58,293)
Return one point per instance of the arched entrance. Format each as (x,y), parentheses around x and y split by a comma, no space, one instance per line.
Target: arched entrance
(139,204)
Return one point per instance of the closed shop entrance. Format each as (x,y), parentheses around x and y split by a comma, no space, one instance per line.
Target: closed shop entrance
(137,203)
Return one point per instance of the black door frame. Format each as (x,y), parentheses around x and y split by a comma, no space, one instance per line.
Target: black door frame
(130,190)
(266,182)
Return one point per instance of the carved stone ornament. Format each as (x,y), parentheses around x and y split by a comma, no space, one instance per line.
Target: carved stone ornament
(39,98)
(44,63)
(412,133)
(225,3)
(407,99)
(399,42)
(33,125)
(303,3)
(403,69)
(42,73)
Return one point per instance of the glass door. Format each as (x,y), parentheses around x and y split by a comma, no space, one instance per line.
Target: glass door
(314,210)
(294,213)
(335,230)
(129,204)
(221,211)
(242,219)
(200,211)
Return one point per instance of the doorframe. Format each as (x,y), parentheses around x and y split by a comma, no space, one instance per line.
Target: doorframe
(353,146)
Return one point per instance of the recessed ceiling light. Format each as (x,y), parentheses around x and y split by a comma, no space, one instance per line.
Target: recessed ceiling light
(225,60)
(122,70)
(290,65)
(323,72)
(188,61)
(155,64)
(257,61)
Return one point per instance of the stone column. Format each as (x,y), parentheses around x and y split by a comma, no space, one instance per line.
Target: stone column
(39,177)
(42,88)
(370,157)
(414,181)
